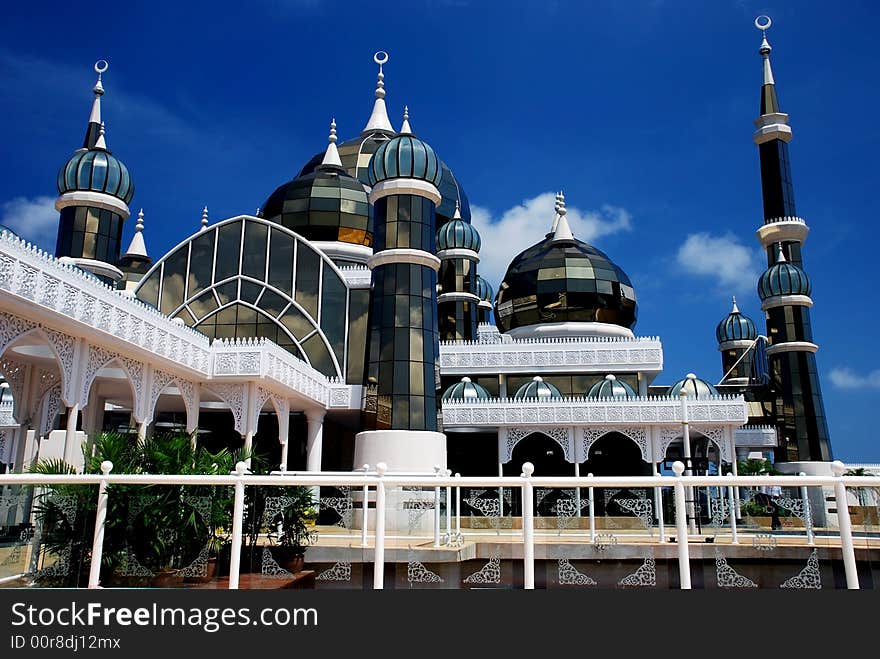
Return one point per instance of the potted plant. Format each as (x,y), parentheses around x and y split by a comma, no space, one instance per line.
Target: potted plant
(296,534)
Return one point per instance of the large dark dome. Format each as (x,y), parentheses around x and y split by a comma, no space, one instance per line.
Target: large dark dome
(559,281)
(355,155)
(326,204)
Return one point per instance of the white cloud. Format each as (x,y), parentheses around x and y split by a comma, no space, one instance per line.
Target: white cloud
(34,219)
(734,266)
(524,225)
(844,378)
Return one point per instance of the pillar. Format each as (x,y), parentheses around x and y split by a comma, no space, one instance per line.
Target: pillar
(70,440)
(315,440)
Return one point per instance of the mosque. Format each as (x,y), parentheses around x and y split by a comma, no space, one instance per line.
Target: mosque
(345,323)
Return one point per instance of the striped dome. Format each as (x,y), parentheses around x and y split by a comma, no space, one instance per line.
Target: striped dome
(537,388)
(693,386)
(611,387)
(405,156)
(96,171)
(458,234)
(466,390)
(736,327)
(484,290)
(783,278)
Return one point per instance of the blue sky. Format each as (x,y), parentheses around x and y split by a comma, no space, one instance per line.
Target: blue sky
(641,111)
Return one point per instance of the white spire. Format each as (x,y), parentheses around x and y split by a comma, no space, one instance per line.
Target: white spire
(457,214)
(735,308)
(556,214)
(780,255)
(137,246)
(562,230)
(204,218)
(101,143)
(763,23)
(331,156)
(379,119)
(95,117)
(405,128)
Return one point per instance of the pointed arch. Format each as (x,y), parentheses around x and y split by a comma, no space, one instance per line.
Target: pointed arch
(513,436)
(638,434)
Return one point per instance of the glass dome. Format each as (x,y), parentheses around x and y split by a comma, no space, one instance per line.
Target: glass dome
(736,327)
(96,171)
(457,234)
(783,278)
(564,281)
(611,387)
(405,156)
(484,290)
(537,388)
(326,204)
(693,386)
(466,390)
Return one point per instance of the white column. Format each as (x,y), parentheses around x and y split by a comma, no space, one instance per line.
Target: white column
(658,504)
(283,465)
(686,447)
(142,431)
(577,491)
(70,443)
(315,441)
(733,461)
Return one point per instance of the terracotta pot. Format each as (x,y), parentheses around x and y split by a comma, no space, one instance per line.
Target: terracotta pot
(166,579)
(290,561)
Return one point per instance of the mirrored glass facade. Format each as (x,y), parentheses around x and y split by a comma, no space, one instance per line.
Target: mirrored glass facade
(251,278)
(90,233)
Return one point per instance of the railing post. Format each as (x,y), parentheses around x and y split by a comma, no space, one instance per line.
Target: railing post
(100,519)
(658,504)
(684,559)
(437,471)
(734,538)
(808,513)
(592,512)
(845,527)
(379,555)
(448,509)
(237,522)
(577,491)
(365,508)
(528,523)
(458,508)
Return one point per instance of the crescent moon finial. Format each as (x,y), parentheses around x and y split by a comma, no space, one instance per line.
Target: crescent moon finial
(380,57)
(763,22)
(101,65)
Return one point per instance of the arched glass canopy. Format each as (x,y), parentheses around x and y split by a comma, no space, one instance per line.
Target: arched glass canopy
(248,277)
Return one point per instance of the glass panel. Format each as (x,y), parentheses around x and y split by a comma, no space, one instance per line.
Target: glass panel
(308,272)
(281,261)
(99,171)
(333,297)
(228,251)
(359,301)
(319,356)
(201,263)
(173,281)
(253,263)
(149,289)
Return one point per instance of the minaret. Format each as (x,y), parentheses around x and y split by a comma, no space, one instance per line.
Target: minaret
(401,407)
(94,189)
(135,262)
(736,334)
(378,120)
(784,288)
(458,246)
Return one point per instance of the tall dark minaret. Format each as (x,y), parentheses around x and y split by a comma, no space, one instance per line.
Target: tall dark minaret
(785,288)
(401,406)
(94,189)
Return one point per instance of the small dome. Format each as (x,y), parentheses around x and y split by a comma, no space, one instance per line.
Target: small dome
(783,278)
(611,387)
(405,156)
(326,204)
(484,290)
(537,388)
(96,170)
(693,386)
(466,390)
(736,327)
(458,234)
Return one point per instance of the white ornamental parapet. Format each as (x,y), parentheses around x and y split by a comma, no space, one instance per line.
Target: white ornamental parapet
(756,436)
(263,359)
(29,273)
(6,407)
(499,412)
(557,355)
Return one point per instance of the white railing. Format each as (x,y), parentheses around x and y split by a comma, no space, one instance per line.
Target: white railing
(380,480)
(727,409)
(562,355)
